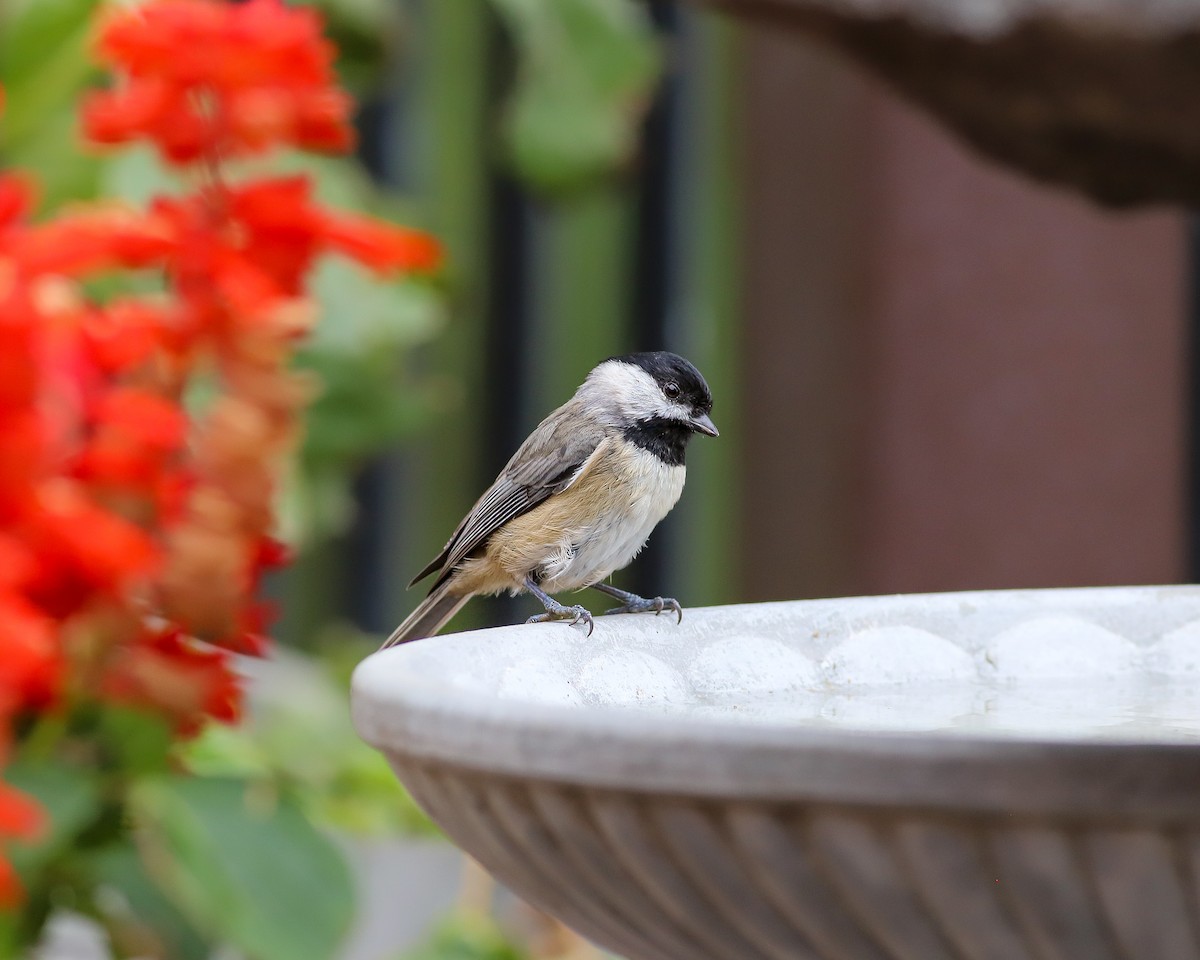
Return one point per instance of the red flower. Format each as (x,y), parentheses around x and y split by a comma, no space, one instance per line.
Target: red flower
(127,333)
(314,120)
(16,198)
(100,238)
(385,247)
(205,78)
(84,551)
(137,436)
(30,656)
(31,662)
(20,818)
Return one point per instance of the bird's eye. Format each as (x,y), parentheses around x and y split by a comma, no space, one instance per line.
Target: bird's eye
(671,389)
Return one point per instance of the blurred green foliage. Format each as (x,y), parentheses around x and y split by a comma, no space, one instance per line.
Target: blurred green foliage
(467,936)
(203,850)
(298,741)
(246,867)
(141,919)
(586,72)
(44,64)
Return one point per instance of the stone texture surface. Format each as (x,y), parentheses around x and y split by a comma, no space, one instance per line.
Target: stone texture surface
(1099,96)
(665,827)
(659,878)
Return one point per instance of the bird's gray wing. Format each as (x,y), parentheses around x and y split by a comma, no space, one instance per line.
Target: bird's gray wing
(547,463)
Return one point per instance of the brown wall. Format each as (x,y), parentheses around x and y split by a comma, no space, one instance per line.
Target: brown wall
(956,378)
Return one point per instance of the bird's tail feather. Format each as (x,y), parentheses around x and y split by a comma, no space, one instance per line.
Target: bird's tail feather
(431,615)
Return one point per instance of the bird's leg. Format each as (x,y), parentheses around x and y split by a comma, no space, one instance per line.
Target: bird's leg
(632,603)
(556,610)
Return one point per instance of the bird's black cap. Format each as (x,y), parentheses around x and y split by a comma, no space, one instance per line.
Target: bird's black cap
(665,367)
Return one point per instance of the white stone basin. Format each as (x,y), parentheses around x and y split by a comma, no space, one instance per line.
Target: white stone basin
(1007,775)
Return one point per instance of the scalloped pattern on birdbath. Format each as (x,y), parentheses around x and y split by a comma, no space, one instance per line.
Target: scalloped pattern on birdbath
(1097,95)
(1001,775)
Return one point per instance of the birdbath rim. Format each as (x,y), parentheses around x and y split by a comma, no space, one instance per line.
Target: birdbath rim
(477,701)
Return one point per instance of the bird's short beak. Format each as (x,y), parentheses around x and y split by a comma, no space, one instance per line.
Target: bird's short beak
(704,424)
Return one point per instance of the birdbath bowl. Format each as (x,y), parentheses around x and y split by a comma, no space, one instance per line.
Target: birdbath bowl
(1095,94)
(991,775)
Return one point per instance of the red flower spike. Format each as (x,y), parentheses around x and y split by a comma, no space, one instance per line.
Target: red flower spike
(110,512)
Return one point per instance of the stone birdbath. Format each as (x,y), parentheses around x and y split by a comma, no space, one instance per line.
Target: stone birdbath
(1010,775)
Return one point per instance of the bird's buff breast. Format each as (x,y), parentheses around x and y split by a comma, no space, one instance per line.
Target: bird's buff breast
(595,526)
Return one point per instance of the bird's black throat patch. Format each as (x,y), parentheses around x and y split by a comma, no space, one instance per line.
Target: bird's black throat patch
(666,439)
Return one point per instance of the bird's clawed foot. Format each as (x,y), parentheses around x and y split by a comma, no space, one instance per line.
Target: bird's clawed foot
(646,605)
(558,611)
(635,604)
(576,614)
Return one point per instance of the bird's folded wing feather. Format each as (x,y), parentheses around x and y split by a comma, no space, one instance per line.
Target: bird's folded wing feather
(553,457)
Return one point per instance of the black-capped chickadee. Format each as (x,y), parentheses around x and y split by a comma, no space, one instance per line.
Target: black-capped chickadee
(580,497)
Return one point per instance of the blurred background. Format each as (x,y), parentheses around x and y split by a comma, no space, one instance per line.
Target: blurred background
(930,373)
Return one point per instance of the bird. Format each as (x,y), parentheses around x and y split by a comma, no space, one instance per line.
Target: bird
(578,499)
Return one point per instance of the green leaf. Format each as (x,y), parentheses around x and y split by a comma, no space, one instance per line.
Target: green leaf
(222,750)
(361,409)
(245,868)
(64,171)
(44,62)
(34,31)
(43,66)
(587,70)
(140,920)
(468,936)
(71,799)
(367,34)
(361,313)
(135,741)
